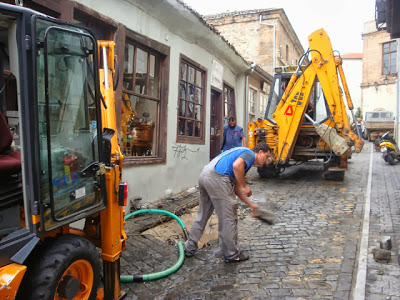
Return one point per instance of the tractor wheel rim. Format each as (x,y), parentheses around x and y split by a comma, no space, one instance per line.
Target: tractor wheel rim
(83,271)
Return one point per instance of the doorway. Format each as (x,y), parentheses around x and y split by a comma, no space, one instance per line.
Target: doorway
(216,129)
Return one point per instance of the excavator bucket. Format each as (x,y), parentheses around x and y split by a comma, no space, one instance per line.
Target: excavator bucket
(337,143)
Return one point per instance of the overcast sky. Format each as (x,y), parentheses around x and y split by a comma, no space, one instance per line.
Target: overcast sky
(343,20)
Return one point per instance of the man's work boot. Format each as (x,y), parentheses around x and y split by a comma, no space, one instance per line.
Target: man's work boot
(189,253)
(241,257)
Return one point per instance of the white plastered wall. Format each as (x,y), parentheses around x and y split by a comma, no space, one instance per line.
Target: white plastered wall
(184,162)
(382,97)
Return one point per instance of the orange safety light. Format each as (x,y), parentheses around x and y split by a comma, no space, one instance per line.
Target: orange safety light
(343,161)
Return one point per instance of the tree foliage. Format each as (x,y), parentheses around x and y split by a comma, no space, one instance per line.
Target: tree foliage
(358,113)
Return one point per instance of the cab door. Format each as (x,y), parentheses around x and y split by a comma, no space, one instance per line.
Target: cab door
(72,174)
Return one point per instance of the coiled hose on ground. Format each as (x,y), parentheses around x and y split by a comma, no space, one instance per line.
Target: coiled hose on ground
(174,268)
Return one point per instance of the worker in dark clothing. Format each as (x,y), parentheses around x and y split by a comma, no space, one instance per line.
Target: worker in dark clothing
(358,127)
(219,182)
(233,136)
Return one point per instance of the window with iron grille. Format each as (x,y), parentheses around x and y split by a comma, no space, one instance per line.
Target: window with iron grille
(191,114)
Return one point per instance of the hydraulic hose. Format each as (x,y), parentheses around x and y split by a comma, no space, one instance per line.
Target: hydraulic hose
(174,268)
(157,275)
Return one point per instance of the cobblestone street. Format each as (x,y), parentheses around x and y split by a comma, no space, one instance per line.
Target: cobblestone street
(313,251)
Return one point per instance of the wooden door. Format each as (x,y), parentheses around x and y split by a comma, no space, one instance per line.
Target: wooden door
(216,129)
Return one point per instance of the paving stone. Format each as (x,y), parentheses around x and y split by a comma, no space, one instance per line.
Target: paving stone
(303,293)
(386,243)
(281,292)
(340,295)
(381,255)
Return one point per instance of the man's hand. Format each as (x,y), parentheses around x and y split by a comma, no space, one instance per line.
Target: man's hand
(247,191)
(244,197)
(253,210)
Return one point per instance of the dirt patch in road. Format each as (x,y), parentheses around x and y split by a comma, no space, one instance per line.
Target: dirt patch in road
(171,231)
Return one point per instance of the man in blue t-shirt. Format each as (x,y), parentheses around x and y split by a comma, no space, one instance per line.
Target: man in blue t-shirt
(219,182)
(233,136)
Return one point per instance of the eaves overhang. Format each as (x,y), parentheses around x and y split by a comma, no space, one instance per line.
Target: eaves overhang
(188,24)
(387,14)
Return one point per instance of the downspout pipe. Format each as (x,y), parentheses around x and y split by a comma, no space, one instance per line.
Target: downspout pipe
(246,96)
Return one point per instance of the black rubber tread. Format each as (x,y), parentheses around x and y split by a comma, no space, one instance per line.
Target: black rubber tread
(390,159)
(45,270)
(334,175)
(268,172)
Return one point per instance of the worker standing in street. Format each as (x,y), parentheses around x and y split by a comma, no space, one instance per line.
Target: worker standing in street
(358,127)
(233,136)
(219,182)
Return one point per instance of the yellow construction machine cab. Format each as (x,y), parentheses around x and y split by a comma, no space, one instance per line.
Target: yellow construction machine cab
(61,195)
(258,131)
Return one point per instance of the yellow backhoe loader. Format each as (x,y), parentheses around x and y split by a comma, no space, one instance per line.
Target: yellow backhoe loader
(61,195)
(306,115)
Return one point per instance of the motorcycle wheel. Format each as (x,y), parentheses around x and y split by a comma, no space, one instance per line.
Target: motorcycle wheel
(391,158)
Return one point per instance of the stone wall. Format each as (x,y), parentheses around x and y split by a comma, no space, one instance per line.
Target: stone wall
(254,40)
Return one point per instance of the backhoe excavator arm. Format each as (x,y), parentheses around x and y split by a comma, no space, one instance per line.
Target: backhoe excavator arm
(113,236)
(291,110)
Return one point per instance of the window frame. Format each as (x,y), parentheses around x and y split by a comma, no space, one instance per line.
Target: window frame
(149,53)
(252,101)
(163,52)
(225,103)
(185,138)
(386,70)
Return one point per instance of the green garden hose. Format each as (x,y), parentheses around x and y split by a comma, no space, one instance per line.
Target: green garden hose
(174,268)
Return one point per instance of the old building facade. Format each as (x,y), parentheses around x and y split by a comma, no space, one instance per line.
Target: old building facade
(379,77)
(264,37)
(179,82)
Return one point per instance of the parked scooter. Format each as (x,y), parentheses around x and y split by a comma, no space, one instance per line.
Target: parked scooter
(389,149)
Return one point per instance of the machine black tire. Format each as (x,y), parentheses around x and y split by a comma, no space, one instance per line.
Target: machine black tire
(268,172)
(334,175)
(44,275)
